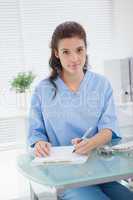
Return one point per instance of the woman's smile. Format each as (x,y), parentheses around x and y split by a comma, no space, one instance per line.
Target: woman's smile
(74,66)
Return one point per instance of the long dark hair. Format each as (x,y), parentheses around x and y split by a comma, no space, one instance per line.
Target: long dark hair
(67,29)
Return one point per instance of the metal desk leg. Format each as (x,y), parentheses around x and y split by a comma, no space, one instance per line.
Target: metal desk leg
(32,194)
(37,193)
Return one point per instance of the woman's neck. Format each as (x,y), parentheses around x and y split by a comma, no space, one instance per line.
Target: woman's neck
(72,81)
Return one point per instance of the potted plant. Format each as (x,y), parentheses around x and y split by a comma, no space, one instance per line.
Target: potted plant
(21,85)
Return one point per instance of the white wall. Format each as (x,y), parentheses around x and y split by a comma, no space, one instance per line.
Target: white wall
(123,28)
(122,44)
(122,37)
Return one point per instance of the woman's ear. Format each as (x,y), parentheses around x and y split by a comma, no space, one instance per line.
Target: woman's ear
(56,53)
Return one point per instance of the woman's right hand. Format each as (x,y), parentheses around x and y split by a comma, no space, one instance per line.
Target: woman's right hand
(42,148)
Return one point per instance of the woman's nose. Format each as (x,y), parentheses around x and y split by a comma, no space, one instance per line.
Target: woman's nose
(74,57)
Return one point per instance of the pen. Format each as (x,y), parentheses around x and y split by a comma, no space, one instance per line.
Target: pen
(86,134)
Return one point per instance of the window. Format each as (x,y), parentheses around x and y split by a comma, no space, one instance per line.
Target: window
(11,51)
(26,27)
(25,32)
(39,19)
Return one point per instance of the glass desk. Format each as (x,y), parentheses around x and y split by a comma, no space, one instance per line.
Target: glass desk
(98,169)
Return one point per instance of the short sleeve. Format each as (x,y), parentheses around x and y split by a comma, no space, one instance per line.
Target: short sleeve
(36,126)
(108,118)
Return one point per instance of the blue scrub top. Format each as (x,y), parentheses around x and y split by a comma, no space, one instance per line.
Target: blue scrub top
(69,114)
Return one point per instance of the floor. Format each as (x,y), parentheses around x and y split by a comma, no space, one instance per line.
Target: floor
(14,185)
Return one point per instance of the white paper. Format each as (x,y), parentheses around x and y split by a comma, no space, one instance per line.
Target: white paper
(61,154)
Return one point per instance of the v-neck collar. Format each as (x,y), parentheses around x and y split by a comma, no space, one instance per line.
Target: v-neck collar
(62,84)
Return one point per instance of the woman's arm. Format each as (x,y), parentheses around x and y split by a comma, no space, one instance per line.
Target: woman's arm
(37,136)
(85,146)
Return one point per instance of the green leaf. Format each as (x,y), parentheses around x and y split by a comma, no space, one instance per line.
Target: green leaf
(22,81)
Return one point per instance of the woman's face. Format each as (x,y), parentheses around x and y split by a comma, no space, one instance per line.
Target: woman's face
(72,55)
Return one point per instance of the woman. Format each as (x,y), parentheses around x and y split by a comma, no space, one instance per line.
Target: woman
(69,102)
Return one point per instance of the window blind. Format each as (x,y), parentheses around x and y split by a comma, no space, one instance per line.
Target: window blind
(39,19)
(12,132)
(26,28)
(11,46)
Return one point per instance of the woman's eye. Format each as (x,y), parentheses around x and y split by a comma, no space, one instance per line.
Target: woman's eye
(65,52)
(80,50)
